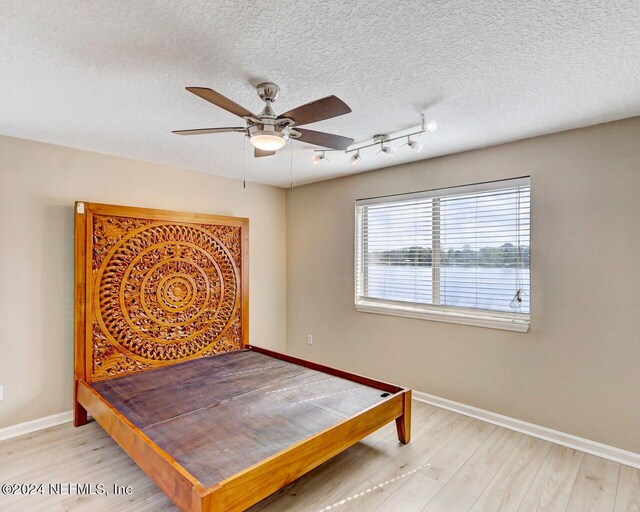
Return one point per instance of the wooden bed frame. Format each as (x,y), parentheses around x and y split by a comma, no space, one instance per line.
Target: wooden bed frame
(121,270)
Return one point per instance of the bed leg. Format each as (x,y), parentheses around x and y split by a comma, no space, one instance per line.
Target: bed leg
(79,415)
(79,412)
(403,423)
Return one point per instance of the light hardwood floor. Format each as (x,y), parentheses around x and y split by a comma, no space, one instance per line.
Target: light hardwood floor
(453,464)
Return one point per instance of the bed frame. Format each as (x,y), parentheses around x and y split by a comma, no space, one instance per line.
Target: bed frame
(135,264)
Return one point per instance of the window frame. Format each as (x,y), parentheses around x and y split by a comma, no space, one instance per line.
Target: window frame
(517,322)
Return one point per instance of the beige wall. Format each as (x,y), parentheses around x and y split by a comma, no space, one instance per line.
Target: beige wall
(578,369)
(38,184)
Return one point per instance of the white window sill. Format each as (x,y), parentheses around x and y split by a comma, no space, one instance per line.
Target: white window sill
(453,317)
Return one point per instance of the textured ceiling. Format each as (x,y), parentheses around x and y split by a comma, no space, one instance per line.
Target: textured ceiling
(109,76)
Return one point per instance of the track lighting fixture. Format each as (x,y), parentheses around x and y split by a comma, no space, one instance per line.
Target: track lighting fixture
(384,142)
(317,158)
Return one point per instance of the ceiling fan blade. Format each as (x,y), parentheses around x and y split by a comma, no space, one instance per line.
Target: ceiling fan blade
(204,131)
(325,140)
(260,153)
(221,101)
(318,110)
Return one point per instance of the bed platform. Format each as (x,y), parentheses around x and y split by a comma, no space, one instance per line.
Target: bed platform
(162,363)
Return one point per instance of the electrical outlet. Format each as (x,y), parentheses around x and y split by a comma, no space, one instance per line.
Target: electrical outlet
(309,339)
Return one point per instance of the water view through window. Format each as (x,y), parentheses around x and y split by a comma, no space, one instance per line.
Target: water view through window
(466,250)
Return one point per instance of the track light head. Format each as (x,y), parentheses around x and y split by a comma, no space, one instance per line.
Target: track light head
(416,145)
(355,158)
(387,150)
(317,158)
(432,126)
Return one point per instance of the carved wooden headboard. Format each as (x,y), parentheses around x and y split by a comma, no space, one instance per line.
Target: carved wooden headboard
(155,287)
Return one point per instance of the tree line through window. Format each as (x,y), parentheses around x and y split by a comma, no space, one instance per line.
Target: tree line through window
(506,255)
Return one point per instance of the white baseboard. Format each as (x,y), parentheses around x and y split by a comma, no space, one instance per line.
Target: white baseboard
(32,426)
(577,443)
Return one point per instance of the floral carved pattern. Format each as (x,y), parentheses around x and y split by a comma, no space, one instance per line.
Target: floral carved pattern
(163,292)
(107,361)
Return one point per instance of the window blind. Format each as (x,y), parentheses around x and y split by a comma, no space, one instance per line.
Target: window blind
(459,254)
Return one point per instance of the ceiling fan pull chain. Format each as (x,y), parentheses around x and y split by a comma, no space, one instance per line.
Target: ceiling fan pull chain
(291,164)
(244,162)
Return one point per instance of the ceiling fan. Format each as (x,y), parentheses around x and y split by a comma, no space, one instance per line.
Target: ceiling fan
(268,132)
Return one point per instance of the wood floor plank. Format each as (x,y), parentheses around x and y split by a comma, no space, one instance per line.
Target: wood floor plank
(446,463)
(510,484)
(372,499)
(628,494)
(463,489)
(551,489)
(595,487)
(411,495)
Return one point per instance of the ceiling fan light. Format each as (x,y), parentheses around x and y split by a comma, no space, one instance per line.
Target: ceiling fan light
(416,145)
(268,142)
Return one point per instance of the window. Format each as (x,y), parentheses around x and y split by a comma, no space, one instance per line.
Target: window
(456,255)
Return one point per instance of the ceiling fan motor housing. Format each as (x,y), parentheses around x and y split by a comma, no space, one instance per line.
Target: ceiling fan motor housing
(268,129)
